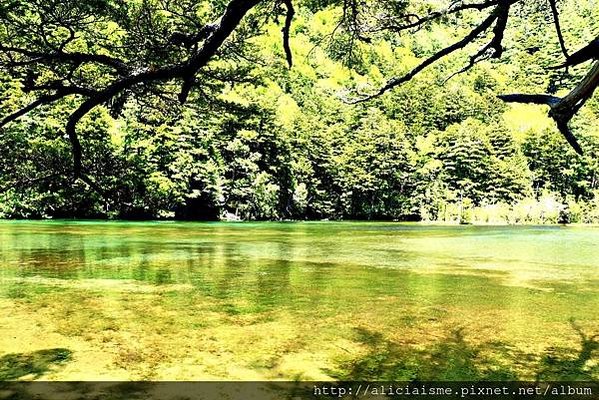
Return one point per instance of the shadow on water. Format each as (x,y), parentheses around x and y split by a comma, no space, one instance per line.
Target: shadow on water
(35,364)
(564,364)
(453,358)
(450,359)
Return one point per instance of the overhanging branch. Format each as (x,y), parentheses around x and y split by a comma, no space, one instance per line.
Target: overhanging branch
(562,110)
(587,53)
(214,37)
(558,28)
(486,24)
(287,31)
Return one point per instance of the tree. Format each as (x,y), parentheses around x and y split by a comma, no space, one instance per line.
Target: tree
(89,57)
(376,171)
(104,51)
(367,18)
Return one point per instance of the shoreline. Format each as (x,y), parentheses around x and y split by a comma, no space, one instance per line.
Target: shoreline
(315,221)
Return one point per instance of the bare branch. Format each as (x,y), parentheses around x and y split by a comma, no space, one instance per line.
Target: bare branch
(587,53)
(493,49)
(558,28)
(76,57)
(32,106)
(452,9)
(231,18)
(541,99)
(563,110)
(287,31)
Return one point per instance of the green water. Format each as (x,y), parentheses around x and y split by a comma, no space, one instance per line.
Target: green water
(299,301)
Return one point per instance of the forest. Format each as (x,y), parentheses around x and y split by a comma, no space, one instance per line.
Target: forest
(277,129)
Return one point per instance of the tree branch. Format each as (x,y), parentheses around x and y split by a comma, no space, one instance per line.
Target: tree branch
(563,110)
(486,24)
(76,57)
(234,13)
(541,99)
(558,28)
(452,9)
(215,36)
(287,31)
(587,53)
(32,106)
(496,43)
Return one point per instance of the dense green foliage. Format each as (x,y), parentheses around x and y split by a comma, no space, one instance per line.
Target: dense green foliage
(265,142)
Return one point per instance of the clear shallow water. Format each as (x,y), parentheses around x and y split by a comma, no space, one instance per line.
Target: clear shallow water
(300,300)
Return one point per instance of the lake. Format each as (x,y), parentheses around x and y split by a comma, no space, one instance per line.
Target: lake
(308,301)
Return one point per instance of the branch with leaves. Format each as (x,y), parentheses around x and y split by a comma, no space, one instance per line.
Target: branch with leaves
(495,24)
(41,51)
